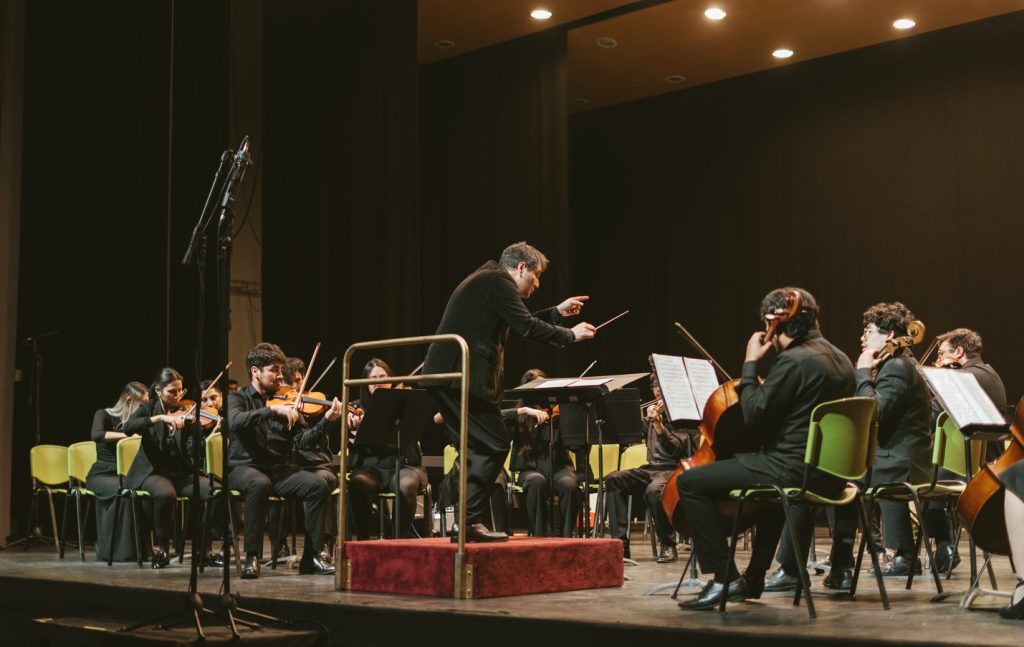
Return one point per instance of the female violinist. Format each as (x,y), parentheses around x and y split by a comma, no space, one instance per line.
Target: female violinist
(107,429)
(163,466)
(535,457)
(373,468)
(808,370)
(1013,509)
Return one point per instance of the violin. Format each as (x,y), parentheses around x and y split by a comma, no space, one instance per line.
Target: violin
(187,409)
(915,335)
(313,403)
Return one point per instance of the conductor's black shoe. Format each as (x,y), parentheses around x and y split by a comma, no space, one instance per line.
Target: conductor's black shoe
(946,558)
(668,555)
(215,560)
(160,559)
(839,579)
(1014,611)
(711,595)
(781,581)
(478,532)
(251,567)
(314,567)
(900,567)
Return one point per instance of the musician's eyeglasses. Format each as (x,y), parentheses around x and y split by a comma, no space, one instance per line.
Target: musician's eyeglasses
(946,351)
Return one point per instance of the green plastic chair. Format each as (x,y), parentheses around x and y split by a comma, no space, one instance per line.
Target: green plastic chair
(215,472)
(80,457)
(840,441)
(48,465)
(126,450)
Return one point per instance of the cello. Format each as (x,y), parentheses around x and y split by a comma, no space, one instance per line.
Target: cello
(980,506)
(722,430)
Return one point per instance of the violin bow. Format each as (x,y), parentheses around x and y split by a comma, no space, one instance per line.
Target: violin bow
(681,329)
(329,365)
(305,378)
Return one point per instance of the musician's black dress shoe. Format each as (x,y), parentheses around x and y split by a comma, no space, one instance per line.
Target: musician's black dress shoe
(314,566)
(900,567)
(1014,611)
(839,579)
(668,555)
(214,560)
(251,567)
(478,532)
(160,559)
(781,581)
(711,595)
(946,558)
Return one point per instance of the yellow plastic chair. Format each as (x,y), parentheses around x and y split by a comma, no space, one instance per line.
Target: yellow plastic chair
(48,465)
(126,451)
(215,472)
(81,457)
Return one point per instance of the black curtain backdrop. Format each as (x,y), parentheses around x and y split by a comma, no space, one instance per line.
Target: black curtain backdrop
(888,173)
(94,262)
(341,234)
(493,171)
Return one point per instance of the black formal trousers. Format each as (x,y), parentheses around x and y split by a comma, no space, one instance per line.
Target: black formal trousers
(164,493)
(489,443)
(366,483)
(647,481)
(106,487)
(256,487)
(536,491)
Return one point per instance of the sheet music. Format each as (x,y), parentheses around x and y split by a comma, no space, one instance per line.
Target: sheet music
(555,384)
(703,379)
(593,381)
(965,400)
(675,387)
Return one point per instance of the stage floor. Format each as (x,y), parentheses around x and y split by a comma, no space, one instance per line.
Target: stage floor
(37,584)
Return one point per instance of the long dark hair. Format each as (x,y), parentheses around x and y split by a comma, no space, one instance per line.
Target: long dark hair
(364,390)
(162,379)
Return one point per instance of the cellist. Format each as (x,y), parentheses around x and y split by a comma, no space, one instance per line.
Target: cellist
(807,371)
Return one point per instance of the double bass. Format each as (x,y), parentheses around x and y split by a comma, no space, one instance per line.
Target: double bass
(722,430)
(980,507)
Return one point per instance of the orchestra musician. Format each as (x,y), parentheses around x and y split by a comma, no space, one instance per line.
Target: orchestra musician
(536,458)
(960,349)
(163,466)
(260,454)
(807,371)
(373,467)
(1013,509)
(665,448)
(482,309)
(107,429)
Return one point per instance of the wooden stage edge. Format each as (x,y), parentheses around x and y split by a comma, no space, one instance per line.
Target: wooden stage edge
(37,584)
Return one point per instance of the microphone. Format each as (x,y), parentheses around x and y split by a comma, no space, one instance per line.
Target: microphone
(242,160)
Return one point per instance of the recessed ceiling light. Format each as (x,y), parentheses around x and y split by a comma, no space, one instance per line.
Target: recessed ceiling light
(782,53)
(714,13)
(540,14)
(579,101)
(675,78)
(904,23)
(444,44)
(607,42)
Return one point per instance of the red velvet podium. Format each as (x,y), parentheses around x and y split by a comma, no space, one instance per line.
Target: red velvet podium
(521,566)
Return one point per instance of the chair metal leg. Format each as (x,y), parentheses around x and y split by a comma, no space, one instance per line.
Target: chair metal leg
(135,528)
(81,521)
(732,552)
(927,546)
(113,529)
(865,526)
(805,584)
(64,526)
(53,519)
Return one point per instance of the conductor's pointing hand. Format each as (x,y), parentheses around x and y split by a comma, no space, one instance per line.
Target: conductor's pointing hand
(571,306)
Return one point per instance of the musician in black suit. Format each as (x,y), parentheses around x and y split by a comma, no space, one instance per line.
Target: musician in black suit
(807,371)
(163,466)
(483,308)
(960,349)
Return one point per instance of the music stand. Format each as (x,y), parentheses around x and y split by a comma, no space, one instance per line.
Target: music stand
(583,392)
(395,418)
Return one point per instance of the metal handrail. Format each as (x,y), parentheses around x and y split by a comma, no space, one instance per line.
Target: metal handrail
(463,571)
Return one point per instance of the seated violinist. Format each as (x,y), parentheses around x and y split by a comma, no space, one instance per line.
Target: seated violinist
(664,449)
(960,349)
(537,459)
(807,371)
(373,467)
(260,454)
(163,466)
